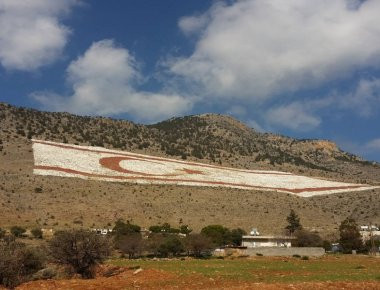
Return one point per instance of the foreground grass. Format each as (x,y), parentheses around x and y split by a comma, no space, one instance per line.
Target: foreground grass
(268,269)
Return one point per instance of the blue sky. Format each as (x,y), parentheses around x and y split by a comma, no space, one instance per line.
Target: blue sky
(306,69)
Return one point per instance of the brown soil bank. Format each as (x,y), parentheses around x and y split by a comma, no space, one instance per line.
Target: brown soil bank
(155,279)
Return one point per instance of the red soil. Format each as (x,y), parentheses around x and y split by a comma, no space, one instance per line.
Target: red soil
(156,279)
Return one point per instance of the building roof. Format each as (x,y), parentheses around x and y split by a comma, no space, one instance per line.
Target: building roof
(269,238)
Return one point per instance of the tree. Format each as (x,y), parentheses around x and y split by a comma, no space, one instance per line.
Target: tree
(372,246)
(350,238)
(153,243)
(37,233)
(80,249)
(155,229)
(307,239)
(293,222)
(184,229)
(17,231)
(326,245)
(218,234)
(197,244)
(165,228)
(122,228)
(130,244)
(170,245)
(237,236)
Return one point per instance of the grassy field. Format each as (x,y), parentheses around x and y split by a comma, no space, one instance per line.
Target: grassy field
(270,270)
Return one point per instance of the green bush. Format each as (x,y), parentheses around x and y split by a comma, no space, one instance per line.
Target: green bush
(18,231)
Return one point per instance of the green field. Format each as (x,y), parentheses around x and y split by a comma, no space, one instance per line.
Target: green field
(271,270)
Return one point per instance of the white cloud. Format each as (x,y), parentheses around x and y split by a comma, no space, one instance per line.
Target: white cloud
(254,50)
(294,116)
(364,100)
(104,82)
(31,35)
(193,24)
(373,145)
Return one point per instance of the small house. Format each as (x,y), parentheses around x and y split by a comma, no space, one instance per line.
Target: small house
(267,241)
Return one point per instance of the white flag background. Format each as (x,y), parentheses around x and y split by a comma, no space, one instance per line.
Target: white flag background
(97,163)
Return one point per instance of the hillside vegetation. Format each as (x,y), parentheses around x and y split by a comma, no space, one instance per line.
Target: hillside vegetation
(209,138)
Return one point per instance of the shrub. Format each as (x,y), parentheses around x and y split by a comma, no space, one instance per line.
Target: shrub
(37,233)
(82,250)
(17,231)
(18,263)
(38,190)
(305,258)
(2,233)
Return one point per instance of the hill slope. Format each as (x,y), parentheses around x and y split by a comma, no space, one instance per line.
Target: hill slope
(57,202)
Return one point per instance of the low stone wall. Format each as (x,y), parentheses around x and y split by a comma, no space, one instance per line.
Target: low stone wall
(276,251)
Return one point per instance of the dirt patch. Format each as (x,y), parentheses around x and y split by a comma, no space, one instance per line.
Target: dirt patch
(125,278)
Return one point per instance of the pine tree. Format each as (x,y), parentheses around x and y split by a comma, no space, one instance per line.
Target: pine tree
(350,238)
(293,222)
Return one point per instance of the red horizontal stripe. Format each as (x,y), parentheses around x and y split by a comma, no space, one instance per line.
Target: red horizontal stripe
(298,190)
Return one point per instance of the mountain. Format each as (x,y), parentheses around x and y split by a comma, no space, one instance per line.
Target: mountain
(208,138)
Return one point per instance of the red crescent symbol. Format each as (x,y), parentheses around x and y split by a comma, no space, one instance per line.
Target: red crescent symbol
(113,163)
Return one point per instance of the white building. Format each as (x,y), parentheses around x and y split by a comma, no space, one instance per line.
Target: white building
(267,241)
(367,231)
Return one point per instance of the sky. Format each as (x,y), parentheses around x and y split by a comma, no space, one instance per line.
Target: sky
(301,68)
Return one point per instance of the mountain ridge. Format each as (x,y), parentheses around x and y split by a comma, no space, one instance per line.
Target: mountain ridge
(57,202)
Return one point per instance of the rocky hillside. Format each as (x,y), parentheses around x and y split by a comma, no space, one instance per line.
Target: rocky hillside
(54,202)
(206,138)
